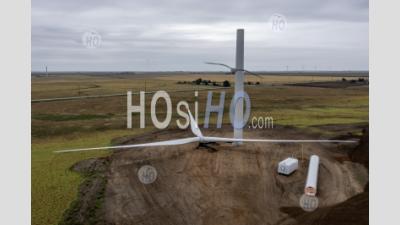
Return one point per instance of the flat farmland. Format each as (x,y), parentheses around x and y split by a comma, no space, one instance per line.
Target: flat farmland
(95,122)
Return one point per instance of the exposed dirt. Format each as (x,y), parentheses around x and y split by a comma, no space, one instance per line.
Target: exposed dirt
(352,211)
(361,152)
(234,185)
(355,210)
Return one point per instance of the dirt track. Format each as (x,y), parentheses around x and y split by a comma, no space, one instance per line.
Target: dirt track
(234,185)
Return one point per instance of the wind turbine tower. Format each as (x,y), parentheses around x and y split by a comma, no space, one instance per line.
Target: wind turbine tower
(239,81)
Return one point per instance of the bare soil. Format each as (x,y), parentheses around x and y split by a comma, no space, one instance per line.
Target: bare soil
(233,185)
(355,210)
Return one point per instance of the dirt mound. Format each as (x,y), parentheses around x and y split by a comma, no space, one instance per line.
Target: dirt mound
(87,209)
(350,212)
(360,154)
(91,166)
(234,185)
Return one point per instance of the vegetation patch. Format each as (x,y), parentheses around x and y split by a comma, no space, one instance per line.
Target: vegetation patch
(54,184)
(87,208)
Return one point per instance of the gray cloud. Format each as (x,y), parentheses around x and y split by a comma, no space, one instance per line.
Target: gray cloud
(182,34)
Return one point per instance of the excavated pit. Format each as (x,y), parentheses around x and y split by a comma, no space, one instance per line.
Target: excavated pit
(233,185)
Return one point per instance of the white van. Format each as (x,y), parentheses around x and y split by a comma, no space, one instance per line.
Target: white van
(288,166)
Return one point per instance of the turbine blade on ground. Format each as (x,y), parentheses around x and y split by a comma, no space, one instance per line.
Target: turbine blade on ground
(181,141)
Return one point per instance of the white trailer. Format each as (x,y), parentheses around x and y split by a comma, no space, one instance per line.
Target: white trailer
(312,176)
(288,166)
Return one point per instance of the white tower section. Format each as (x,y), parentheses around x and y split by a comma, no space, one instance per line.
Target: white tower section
(239,81)
(312,176)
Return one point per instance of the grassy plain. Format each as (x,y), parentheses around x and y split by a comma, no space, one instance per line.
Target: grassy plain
(94,122)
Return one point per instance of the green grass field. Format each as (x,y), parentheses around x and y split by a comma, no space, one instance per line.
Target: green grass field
(54,186)
(94,122)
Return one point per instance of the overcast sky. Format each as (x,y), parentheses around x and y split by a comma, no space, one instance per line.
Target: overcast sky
(151,35)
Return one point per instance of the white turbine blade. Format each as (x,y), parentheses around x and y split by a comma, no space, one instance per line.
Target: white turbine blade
(219,64)
(194,127)
(181,141)
(221,139)
(254,74)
